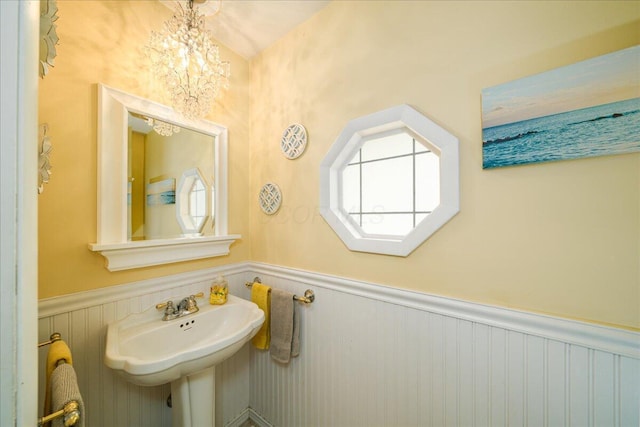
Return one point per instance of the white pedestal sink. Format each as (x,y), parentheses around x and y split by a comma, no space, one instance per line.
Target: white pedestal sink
(193,399)
(148,351)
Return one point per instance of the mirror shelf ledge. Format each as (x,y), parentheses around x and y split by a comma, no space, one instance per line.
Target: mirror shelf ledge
(112,240)
(146,253)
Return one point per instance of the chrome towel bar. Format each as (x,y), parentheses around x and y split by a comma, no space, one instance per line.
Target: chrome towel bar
(308,297)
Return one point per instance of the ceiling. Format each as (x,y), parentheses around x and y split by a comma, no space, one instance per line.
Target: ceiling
(249,26)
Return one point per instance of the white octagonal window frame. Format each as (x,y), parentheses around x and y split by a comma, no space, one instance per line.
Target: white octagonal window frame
(184,213)
(401,118)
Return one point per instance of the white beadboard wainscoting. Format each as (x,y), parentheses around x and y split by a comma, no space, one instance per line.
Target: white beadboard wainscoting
(378,356)
(371,355)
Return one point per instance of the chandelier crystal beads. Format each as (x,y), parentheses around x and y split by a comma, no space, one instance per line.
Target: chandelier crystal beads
(186,61)
(163,128)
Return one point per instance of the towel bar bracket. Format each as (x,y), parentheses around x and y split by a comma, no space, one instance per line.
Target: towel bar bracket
(53,338)
(308,297)
(70,412)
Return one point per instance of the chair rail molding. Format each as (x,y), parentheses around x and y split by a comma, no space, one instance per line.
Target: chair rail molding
(614,340)
(53,306)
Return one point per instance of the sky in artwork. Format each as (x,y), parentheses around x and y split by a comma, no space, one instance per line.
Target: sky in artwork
(608,78)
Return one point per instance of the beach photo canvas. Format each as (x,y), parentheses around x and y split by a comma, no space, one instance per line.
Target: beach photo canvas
(587,109)
(161,192)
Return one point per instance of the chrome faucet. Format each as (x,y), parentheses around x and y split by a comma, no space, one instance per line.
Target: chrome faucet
(188,305)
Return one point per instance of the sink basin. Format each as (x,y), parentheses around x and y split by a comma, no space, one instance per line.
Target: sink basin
(148,351)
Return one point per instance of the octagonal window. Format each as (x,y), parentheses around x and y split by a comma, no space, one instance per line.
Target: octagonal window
(390,181)
(192,202)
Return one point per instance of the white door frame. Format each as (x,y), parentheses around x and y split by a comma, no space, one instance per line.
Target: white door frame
(19,38)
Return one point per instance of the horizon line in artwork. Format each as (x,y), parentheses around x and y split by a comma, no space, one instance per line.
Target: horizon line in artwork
(587,109)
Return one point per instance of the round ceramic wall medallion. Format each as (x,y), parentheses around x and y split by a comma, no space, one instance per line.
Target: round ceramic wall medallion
(270,198)
(294,141)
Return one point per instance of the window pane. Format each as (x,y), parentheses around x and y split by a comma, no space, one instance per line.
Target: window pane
(200,203)
(427,182)
(387,224)
(197,202)
(382,193)
(388,146)
(193,203)
(351,188)
(387,185)
(420,218)
(355,159)
(421,148)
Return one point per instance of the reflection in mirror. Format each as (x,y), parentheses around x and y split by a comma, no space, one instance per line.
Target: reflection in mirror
(159,153)
(192,202)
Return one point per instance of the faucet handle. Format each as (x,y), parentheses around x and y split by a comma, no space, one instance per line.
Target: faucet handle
(192,305)
(168,306)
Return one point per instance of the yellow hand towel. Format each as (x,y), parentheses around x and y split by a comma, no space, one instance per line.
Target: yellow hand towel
(58,350)
(261,295)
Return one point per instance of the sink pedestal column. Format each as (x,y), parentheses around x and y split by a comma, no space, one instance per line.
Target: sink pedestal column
(193,399)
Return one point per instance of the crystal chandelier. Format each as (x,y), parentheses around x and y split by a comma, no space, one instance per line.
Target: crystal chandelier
(186,61)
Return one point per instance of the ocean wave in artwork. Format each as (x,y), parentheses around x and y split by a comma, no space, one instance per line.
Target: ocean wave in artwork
(594,131)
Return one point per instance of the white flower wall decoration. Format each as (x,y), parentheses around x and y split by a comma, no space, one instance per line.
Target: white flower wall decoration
(48,36)
(44,165)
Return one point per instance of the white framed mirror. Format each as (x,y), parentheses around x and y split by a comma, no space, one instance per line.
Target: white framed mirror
(119,238)
(390,181)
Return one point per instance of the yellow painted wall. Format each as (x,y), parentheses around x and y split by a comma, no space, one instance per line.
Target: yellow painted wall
(101,41)
(560,238)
